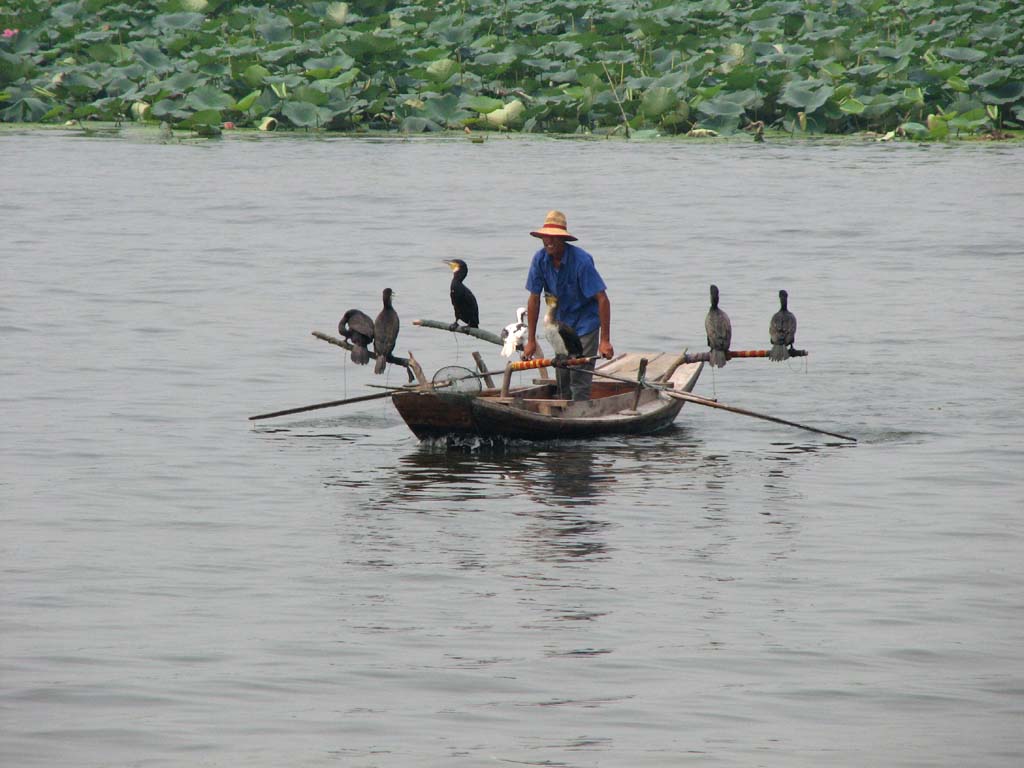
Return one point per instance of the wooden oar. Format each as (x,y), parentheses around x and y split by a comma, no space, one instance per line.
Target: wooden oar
(691,398)
(331,404)
(686,396)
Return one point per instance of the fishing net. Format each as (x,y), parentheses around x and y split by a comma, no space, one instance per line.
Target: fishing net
(455,378)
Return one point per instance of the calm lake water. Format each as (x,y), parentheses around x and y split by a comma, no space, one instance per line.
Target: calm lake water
(182,588)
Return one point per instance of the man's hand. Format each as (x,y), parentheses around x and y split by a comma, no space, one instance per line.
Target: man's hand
(605,349)
(529,349)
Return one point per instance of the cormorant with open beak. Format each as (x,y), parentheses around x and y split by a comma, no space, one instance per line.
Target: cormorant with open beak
(782,330)
(463,300)
(719,331)
(385,332)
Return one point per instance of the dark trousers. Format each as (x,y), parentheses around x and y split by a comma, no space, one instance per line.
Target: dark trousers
(574,380)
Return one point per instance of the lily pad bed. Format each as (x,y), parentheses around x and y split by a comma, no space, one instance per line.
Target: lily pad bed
(921,69)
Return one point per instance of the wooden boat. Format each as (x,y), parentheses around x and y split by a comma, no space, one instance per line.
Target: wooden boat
(534,412)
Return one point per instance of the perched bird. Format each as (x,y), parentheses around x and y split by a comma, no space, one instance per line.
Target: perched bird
(357,327)
(385,332)
(463,300)
(563,339)
(514,334)
(782,330)
(719,331)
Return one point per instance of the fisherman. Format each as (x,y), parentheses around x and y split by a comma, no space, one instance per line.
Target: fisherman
(568,272)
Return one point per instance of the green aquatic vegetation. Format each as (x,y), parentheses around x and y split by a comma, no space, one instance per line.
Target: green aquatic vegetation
(927,69)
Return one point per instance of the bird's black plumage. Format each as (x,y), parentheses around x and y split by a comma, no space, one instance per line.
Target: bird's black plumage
(782,330)
(719,332)
(385,332)
(357,327)
(463,300)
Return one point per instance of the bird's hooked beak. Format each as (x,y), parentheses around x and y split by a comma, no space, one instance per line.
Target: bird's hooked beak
(551,299)
(451,265)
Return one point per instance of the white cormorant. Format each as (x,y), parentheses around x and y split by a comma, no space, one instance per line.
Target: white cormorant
(719,331)
(357,327)
(385,332)
(563,339)
(514,334)
(463,300)
(782,330)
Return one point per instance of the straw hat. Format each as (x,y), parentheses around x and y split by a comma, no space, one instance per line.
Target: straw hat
(554,226)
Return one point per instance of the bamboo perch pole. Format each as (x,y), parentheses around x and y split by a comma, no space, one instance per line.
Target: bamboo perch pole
(477,333)
(410,364)
(703,357)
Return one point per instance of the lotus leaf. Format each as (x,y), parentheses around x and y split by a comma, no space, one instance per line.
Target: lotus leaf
(166,108)
(483,104)
(442,69)
(255,74)
(969,121)
(80,84)
(879,104)
(1007,93)
(507,115)
(992,77)
(183,81)
(419,125)
(445,110)
(915,130)
(93,58)
(166,22)
(807,95)
(245,104)
(152,56)
(851,106)
(25,110)
(209,98)
(497,59)
(275,29)
(963,54)
(301,114)
(110,54)
(657,101)
(205,117)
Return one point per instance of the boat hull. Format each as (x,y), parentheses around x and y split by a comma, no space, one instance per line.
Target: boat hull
(530,413)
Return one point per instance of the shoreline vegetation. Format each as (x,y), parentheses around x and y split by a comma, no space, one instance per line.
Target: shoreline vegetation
(886,69)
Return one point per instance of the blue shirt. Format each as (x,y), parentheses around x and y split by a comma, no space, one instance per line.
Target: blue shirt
(575,283)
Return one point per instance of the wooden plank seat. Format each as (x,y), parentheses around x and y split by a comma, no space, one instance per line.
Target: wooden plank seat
(545,406)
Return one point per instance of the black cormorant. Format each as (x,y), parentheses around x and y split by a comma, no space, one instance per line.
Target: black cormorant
(719,331)
(463,300)
(514,334)
(357,327)
(563,339)
(385,332)
(782,330)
